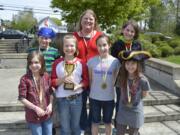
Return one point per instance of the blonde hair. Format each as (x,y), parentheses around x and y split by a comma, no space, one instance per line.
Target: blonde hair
(90,11)
(71,36)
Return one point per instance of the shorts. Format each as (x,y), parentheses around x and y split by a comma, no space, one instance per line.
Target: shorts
(106,107)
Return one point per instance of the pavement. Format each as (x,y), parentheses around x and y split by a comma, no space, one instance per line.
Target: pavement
(162,109)
(9,80)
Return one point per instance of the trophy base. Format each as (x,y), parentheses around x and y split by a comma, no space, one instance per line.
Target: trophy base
(68,86)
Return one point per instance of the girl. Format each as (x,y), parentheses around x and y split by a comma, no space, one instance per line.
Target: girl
(134,86)
(103,70)
(34,93)
(69,76)
(127,41)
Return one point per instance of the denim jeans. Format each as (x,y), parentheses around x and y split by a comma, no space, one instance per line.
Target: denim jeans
(85,119)
(43,128)
(69,113)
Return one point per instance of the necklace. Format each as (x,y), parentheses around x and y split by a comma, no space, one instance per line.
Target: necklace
(39,90)
(89,38)
(131,91)
(104,72)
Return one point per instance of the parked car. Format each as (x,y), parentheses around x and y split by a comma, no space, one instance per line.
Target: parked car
(12,34)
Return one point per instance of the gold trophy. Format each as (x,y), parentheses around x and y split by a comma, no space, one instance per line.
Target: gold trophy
(69,68)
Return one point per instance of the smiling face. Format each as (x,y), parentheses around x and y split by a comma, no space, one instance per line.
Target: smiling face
(69,47)
(44,42)
(131,66)
(35,65)
(102,46)
(88,22)
(128,32)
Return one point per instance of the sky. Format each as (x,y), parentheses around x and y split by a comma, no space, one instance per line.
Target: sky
(41,8)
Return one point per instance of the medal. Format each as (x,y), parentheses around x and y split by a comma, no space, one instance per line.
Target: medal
(104,73)
(131,91)
(103,85)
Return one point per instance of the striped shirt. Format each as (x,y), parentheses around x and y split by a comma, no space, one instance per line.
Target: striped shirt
(49,55)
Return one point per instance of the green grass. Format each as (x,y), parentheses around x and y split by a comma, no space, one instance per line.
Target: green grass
(173,59)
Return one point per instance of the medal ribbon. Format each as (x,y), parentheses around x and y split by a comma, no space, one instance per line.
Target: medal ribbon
(131,91)
(105,71)
(39,91)
(127,43)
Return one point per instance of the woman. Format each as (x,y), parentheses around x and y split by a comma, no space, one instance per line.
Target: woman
(88,31)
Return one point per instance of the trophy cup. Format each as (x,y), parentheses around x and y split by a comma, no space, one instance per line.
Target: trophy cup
(69,68)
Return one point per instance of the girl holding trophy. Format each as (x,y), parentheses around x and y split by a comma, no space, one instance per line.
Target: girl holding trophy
(103,70)
(69,77)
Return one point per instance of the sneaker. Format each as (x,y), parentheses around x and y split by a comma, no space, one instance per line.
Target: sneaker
(82,132)
(114,131)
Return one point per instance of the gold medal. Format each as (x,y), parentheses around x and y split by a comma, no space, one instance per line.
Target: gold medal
(129,105)
(103,85)
(104,69)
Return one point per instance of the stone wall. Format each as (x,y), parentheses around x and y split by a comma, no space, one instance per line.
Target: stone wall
(13,60)
(165,73)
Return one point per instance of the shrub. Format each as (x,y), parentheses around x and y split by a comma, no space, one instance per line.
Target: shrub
(174,43)
(161,43)
(166,51)
(152,48)
(154,38)
(177,50)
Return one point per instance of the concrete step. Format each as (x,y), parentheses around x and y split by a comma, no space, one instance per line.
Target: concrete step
(11,107)
(12,120)
(15,132)
(157,113)
(9,40)
(161,98)
(154,98)
(154,128)
(7,46)
(9,51)
(161,128)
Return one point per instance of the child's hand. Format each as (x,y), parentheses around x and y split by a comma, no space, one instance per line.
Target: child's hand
(77,87)
(40,112)
(69,79)
(49,109)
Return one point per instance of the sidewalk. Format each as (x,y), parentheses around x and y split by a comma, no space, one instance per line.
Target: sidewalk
(9,80)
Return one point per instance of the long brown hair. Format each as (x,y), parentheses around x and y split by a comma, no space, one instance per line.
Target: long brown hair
(123,74)
(40,58)
(90,11)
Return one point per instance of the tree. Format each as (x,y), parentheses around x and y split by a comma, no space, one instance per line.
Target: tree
(108,12)
(177,29)
(56,21)
(162,18)
(24,20)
